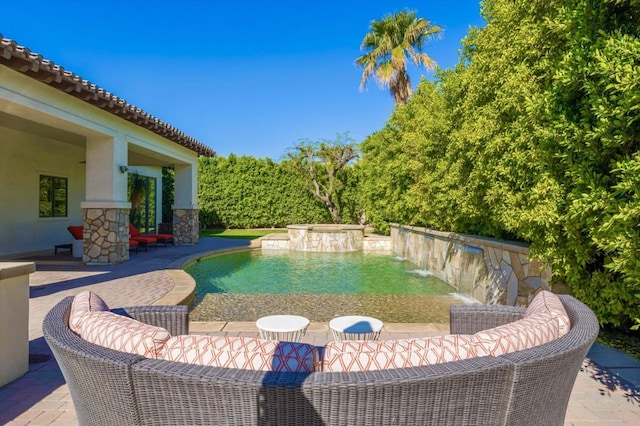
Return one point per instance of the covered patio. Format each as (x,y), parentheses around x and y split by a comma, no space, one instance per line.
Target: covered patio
(67,148)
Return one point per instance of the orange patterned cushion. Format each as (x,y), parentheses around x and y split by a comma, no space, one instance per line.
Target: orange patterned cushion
(241,352)
(371,355)
(123,334)
(84,302)
(526,333)
(545,301)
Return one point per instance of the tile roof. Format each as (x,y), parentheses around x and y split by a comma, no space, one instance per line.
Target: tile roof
(21,59)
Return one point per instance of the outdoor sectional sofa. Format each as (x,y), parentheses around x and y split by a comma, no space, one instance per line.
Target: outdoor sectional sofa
(525,387)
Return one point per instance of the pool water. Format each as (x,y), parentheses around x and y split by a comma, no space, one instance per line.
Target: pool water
(249,284)
(283,272)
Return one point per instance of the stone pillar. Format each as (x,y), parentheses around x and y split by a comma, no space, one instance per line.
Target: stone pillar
(106,234)
(186,225)
(105,212)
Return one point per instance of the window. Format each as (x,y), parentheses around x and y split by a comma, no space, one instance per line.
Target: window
(53,196)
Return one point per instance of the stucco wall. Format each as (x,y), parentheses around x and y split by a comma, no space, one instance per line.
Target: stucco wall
(491,271)
(24,158)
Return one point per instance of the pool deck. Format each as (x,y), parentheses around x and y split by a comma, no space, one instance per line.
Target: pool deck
(607,389)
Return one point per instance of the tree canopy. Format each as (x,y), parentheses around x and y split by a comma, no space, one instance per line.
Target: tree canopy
(321,166)
(388,45)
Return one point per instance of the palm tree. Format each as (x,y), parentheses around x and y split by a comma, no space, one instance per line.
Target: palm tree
(387,46)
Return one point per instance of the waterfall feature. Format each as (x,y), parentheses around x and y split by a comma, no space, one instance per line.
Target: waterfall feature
(471,262)
(489,270)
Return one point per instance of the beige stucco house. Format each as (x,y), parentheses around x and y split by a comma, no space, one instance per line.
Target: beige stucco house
(66,148)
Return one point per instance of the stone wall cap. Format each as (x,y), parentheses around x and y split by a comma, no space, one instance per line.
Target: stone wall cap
(15,269)
(323,227)
(515,246)
(275,236)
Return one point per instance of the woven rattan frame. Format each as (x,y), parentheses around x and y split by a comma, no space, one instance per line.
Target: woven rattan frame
(523,388)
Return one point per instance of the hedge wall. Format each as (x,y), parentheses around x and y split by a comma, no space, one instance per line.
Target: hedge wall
(247,192)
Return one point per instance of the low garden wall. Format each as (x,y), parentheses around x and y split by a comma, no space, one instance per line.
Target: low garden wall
(325,239)
(491,271)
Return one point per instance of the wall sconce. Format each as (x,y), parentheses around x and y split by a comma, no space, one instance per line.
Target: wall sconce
(123,169)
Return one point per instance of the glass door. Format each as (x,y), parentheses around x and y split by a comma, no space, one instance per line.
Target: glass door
(143,198)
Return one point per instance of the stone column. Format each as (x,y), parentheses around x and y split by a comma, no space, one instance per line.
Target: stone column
(105,212)
(186,225)
(106,234)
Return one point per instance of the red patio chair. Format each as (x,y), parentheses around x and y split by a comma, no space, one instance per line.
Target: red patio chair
(143,240)
(161,238)
(133,245)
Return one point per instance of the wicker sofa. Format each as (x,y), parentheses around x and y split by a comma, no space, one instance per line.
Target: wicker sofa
(528,387)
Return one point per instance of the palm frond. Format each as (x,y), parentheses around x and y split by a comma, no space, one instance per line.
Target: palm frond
(387,46)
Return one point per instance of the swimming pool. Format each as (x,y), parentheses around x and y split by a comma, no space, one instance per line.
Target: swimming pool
(244,285)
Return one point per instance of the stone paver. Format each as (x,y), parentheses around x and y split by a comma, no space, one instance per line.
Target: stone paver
(601,395)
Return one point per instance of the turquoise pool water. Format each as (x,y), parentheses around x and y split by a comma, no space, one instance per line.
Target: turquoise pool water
(276,272)
(249,284)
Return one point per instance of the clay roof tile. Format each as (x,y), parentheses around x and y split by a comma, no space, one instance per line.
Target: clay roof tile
(21,59)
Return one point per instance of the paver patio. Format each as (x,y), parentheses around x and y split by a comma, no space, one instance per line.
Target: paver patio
(607,389)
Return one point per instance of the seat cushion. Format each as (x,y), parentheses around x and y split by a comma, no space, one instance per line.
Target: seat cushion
(525,333)
(544,320)
(373,355)
(84,302)
(163,237)
(241,352)
(123,334)
(545,301)
(144,239)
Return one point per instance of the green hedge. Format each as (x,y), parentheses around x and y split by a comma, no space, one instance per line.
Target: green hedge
(245,192)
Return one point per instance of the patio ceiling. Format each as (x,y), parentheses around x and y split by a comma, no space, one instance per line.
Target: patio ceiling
(21,59)
(137,155)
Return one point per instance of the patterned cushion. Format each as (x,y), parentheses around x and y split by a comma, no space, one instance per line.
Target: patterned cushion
(123,334)
(523,334)
(241,352)
(84,302)
(545,301)
(371,355)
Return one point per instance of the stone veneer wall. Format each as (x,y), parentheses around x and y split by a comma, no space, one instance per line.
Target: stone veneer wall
(491,271)
(326,238)
(186,226)
(371,243)
(106,235)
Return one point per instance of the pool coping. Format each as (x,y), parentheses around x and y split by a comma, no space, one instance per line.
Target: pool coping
(184,286)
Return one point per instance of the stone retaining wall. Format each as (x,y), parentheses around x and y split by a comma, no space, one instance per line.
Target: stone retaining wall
(491,271)
(324,242)
(326,238)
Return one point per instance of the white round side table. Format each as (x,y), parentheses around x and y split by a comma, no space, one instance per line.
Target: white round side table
(355,327)
(286,328)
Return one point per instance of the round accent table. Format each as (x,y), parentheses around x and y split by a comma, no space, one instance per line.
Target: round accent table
(355,327)
(285,328)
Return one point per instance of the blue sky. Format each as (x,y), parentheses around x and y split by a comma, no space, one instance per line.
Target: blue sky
(243,77)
